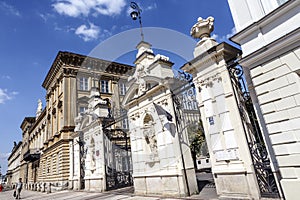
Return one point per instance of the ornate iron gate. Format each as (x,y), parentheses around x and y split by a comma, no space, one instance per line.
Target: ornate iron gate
(185,104)
(118,171)
(82,156)
(261,162)
(188,118)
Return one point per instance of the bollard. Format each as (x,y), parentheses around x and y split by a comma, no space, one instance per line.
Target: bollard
(43,187)
(48,188)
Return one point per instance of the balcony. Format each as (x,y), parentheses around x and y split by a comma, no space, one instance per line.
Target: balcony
(32,155)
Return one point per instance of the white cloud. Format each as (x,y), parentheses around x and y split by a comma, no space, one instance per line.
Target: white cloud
(233,31)
(76,8)
(5,95)
(6,77)
(4,155)
(151,7)
(224,37)
(45,17)
(215,36)
(9,9)
(88,33)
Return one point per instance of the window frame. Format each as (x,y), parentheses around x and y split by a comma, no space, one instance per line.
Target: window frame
(123,88)
(84,83)
(104,86)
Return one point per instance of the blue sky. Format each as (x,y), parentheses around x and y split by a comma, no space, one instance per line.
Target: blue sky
(33,31)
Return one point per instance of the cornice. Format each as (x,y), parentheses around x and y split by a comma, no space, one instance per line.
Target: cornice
(73,61)
(27,120)
(143,56)
(269,52)
(222,51)
(14,150)
(269,18)
(161,61)
(152,91)
(39,119)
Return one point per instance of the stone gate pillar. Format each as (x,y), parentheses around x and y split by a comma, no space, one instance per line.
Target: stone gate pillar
(90,147)
(225,134)
(161,158)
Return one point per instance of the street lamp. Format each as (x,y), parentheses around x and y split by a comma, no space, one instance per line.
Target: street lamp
(136,13)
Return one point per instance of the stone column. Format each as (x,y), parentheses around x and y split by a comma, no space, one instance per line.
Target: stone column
(232,165)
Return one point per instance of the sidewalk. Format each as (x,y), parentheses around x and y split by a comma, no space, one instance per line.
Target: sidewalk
(205,185)
(121,194)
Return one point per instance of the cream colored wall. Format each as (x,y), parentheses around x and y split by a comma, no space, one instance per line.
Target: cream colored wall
(277,86)
(14,166)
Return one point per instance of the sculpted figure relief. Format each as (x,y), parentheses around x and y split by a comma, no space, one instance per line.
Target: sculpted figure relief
(151,140)
(140,72)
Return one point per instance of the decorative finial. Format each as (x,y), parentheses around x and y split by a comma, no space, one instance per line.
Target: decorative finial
(203,28)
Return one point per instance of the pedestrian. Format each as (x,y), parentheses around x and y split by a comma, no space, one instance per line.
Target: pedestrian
(19,188)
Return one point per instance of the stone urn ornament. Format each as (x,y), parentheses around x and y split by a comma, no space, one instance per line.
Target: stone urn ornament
(202,29)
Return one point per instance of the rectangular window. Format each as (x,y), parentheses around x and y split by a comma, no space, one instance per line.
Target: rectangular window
(125,124)
(84,83)
(104,86)
(122,88)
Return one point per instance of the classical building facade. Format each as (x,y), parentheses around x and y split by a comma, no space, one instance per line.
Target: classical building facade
(269,35)
(14,161)
(25,126)
(45,150)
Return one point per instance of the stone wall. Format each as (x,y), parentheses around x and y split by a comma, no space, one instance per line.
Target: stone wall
(277,86)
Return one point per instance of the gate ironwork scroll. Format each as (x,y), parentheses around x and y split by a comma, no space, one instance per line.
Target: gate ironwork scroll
(119,172)
(188,117)
(261,161)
